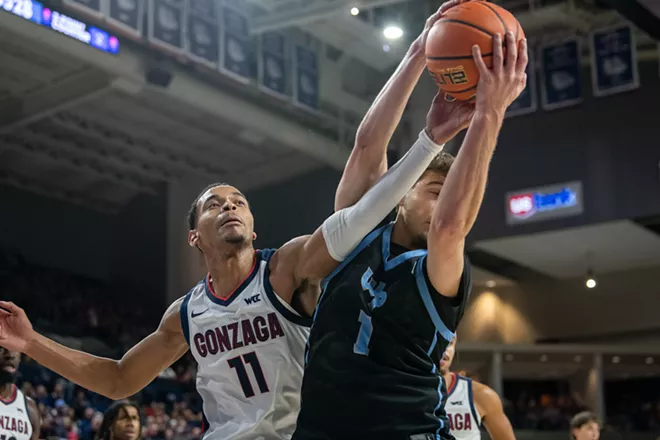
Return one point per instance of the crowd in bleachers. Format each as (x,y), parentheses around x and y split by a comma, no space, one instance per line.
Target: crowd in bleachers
(71,305)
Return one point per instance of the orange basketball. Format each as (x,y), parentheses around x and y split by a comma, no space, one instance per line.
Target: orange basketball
(450,40)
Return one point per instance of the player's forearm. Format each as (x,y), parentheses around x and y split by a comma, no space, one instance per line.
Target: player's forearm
(97,374)
(465,185)
(368,162)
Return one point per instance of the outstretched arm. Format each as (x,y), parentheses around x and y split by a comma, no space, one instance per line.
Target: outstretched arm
(111,378)
(463,190)
(492,412)
(368,160)
(35,418)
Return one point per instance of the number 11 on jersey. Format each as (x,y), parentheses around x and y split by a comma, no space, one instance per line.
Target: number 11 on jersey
(239,365)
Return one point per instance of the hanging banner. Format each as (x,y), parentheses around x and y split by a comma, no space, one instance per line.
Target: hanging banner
(88,7)
(203,34)
(560,74)
(126,16)
(527,102)
(236,45)
(613,60)
(166,24)
(306,90)
(273,77)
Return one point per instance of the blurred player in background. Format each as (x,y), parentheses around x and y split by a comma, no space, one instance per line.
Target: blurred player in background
(19,415)
(469,404)
(394,303)
(122,421)
(247,321)
(585,426)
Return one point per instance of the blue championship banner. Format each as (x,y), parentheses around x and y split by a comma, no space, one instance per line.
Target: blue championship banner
(561,85)
(527,102)
(235,45)
(126,16)
(203,34)
(613,60)
(306,89)
(273,76)
(88,7)
(166,24)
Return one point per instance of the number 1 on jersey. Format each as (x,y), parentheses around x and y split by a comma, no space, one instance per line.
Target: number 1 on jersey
(378,298)
(239,365)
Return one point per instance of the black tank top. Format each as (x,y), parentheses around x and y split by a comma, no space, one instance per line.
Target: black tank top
(378,332)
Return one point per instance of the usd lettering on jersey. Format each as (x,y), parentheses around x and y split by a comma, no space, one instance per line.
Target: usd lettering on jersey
(13,424)
(460,422)
(253,299)
(238,334)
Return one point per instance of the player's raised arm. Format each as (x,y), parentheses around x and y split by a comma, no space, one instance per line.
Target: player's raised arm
(111,378)
(492,413)
(368,160)
(465,184)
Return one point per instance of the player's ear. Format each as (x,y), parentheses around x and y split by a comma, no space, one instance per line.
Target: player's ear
(254,236)
(193,238)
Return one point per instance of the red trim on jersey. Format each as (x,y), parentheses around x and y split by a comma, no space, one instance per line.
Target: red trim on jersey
(454,379)
(12,397)
(210,286)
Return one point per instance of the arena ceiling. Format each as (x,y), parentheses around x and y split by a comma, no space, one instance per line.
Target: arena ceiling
(569,253)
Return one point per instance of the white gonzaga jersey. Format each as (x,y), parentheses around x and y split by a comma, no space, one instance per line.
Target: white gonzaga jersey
(250,349)
(464,419)
(14,419)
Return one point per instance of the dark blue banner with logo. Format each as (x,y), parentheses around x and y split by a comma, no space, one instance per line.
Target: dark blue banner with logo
(166,24)
(273,76)
(126,16)
(561,85)
(306,89)
(236,45)
(613,60)
(527,102)
(203,33)
(544,203)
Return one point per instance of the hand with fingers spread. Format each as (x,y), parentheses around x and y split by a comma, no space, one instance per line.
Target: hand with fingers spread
(499,86)
(447,118)
(15,327)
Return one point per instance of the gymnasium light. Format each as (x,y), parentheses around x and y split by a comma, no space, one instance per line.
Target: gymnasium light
(591,283)
(355,11)
(491,283)
(393,32)
(386,47)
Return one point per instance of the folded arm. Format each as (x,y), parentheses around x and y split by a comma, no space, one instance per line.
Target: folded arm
(111,378)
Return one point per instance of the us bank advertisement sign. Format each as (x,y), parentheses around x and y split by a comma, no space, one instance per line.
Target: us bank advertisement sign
(544,203)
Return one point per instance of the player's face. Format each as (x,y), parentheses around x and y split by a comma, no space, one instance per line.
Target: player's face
(590,431)
(9,362)
(448,357)
(127,425)
(418,205)
(224,214)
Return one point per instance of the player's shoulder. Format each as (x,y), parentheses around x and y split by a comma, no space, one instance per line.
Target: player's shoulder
(485,397)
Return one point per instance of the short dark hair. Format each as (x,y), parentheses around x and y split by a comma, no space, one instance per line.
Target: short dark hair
(192,213)
(581,419)
(111,416)
(441,163)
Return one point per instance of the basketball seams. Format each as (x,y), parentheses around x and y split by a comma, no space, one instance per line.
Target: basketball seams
(465,57)
(465,23)
(497,14)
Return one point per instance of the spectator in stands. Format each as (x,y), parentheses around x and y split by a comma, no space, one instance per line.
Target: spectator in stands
(122,421)
(585,426)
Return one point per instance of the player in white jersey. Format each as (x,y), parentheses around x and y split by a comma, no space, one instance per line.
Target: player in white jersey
(19,415)
(470,404)
(247,322)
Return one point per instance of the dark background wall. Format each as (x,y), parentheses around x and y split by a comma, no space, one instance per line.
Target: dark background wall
(127,250)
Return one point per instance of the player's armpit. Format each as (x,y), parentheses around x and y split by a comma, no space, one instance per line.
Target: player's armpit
(111,378)
(492,412)
(35,418)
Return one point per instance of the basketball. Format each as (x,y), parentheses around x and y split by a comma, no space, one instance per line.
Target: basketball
(450,40)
